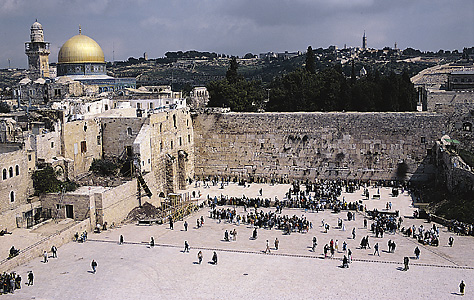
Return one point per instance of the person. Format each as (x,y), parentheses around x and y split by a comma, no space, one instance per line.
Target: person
(417,252)
(185,226)
(406,260)
(376,249)
(214,258)
(450,241)
(121,240)
(462,285)
(267,249)
(254,234)
(94,266)
(152,242)
(226,236)
(277,243)
(45,256)
(345,263)
(353,233)
(186,246)
(54,250)
(200,256)
(234,235)
(314,244)
(349,255)
(170,218)
(18,282)
(30,278)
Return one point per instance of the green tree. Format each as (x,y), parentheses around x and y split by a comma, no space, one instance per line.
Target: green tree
(310,65)
(232,75)
(45,181)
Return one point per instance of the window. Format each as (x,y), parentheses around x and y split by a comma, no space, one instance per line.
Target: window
(83,147)
(12,196)
(423,139)
(17,170)
(52,145)
(180,141)
(467,126)
(85,127)
(98,140)
(139,105)
(161,146)
(4,174)
(106,107)
(161,127)
(171,145)
(29,157)
(129,131)
(151,105)
(174,121)
(189,138)
(10,172)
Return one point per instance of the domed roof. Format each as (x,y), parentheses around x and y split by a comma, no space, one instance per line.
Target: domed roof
(81,49)
(36,25)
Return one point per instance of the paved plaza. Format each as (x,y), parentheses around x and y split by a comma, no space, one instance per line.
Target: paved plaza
(134,270)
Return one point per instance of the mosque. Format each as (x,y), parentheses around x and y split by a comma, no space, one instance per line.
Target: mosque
(82,59)
(81,67)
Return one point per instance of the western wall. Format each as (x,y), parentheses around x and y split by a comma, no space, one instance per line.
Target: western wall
(303,146)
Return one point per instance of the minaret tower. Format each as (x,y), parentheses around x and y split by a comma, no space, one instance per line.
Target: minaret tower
(38,51)
(364,41)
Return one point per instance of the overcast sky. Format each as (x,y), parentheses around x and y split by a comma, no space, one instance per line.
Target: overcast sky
(235,27)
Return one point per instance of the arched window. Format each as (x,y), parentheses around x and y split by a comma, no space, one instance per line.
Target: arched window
(4,174)
(12,196)
(129,131)
(10,172)
(17,170)
(467,126)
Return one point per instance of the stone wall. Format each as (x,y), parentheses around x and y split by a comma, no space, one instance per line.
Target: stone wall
(15,183)
(310,145)
(172,149)
(82,143)
(118,133)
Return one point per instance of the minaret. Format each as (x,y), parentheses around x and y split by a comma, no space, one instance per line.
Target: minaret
(38,51)
(364,41)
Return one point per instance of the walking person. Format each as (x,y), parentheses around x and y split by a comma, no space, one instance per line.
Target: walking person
(94,266)
(54,250)
(353,233)
(417,252)
(450,241)
(186,246)
(45,256)
(152,242)
(30,278)
(277,243)
(462,285)
(185,226)
(406,260)
(267,249)
(199,257)
(376,249)
(214,258)
(313,248)
(121,240)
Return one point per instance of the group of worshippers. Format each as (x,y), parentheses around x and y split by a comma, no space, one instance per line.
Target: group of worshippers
(424,236)
(9,282)
(261,219)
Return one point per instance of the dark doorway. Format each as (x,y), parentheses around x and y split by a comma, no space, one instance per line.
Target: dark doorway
(69,211)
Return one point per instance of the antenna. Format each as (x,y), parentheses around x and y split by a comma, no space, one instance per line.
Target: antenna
(80,29)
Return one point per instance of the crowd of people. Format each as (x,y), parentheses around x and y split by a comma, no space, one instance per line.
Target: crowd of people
(9,282)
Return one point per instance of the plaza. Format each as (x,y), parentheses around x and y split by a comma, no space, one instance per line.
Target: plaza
(134,270)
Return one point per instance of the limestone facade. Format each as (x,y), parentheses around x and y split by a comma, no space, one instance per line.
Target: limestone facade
(172,149)
(82,143)
(15,183)
(316,145)
(118,134)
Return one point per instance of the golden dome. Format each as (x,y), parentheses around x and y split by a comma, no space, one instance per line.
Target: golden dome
(81,49)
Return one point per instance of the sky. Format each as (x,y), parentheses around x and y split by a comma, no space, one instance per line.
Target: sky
(128,28)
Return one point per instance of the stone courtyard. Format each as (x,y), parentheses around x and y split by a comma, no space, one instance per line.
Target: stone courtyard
(134,270)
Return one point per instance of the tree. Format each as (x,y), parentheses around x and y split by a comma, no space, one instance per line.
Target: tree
(232,75)
(310,66)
